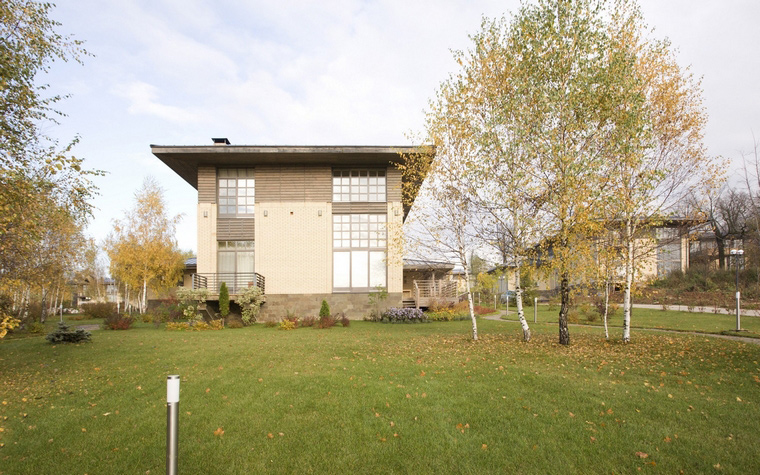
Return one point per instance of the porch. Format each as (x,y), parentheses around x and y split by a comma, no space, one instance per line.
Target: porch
(427,292)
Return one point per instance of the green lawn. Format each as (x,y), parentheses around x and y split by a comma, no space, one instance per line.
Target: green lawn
(655,318)
(382,398)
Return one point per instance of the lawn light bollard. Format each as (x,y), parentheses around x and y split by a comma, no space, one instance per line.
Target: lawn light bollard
(535,309)
(172,423)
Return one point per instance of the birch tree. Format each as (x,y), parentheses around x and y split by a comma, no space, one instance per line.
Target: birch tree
(142,247)
(659,123)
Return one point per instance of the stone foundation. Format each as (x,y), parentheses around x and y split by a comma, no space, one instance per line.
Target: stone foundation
(354,306)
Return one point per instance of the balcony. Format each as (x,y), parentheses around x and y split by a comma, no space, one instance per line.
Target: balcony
(235,282)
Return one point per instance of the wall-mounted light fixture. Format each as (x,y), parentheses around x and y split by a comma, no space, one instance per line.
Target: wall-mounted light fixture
(395,212)
(319,212)
(266,213)
(205,214)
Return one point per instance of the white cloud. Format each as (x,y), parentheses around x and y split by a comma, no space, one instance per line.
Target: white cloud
(142,99)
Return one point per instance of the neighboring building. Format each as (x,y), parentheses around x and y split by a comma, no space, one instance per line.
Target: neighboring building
(660,250)
(427,281)
(303,223)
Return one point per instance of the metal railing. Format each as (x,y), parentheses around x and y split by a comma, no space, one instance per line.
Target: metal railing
(235,281)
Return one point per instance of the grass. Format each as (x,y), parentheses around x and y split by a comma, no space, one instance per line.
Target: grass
(661,319)
(381,398)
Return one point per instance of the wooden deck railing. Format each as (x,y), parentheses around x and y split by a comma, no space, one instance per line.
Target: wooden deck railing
(429,291)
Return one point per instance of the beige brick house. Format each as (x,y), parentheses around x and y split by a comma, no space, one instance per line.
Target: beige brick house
(305,223)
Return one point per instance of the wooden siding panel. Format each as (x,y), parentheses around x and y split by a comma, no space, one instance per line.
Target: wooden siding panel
(206,185)
(393,184)
(293,183)
(359,207)
(235,229)
(318,184)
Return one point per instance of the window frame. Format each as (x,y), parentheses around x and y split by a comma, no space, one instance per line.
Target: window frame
(226,193)
(360,235)
(359,185)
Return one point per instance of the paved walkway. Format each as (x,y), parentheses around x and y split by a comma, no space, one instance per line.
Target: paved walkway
(685,308)
(743,339)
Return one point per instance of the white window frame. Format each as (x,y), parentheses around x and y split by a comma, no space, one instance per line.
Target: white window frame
(360,243)
(359,185)
(235,189)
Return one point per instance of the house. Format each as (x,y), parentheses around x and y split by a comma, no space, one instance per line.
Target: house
(304,223)
(659,250)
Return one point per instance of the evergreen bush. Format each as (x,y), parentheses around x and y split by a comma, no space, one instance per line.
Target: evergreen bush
(224,300)
(65,335)
(325,310)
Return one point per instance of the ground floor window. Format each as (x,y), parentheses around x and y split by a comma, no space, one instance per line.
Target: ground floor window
(235,263)
(359,252)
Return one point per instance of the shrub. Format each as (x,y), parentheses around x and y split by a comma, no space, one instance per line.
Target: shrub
(287,325)
(167,311)
(250,300)
(224,300)
(326,321)
(35,327)
(404,315)
(99,309)
(65,335)
(573,316)
(118,322)
(270,323)
(217,324)
(324,311)
(147,317)
(191,300)
(200,326)
(7,323)
(443,315)
(78,317)
(177,326)
(345,321)
(235,324)
(308,321)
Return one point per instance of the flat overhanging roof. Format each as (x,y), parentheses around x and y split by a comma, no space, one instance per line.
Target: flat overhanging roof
(185,160)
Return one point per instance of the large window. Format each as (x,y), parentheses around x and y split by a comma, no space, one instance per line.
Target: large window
(236,192)
(359,244)
(235,263)
(359,185)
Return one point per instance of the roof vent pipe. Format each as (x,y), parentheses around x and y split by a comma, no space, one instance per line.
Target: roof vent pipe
(221,141)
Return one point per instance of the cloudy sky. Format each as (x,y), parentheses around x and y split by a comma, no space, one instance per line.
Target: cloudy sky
(343,72)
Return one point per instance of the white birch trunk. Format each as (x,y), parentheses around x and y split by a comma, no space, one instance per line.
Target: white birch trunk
(472,309)
(628,282)
(43,304)
(144,304)
(519,303)
(606,308)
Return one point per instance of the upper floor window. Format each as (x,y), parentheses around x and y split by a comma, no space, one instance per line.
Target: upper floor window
(359,185)
(236,191)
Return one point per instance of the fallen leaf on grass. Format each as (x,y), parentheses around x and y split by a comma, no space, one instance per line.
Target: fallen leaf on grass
(270,436)
(484,446)
(642,455)
(219,432)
